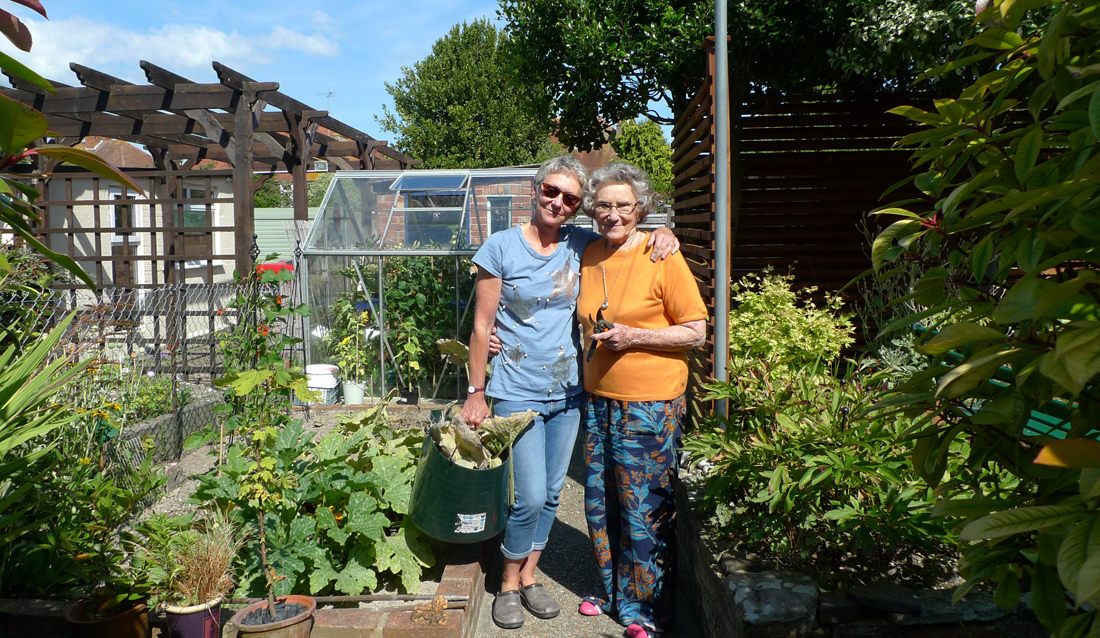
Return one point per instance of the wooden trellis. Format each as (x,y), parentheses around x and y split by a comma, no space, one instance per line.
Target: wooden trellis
(184,124)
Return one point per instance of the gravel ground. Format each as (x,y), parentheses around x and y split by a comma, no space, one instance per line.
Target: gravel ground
(568,572)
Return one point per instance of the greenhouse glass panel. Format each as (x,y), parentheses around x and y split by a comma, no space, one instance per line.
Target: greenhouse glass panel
(423,181)
(391,250)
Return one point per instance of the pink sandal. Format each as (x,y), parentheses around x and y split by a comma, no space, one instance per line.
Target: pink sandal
(637,631)
(589,607)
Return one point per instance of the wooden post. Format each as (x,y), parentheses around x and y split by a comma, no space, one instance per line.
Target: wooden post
(243,223)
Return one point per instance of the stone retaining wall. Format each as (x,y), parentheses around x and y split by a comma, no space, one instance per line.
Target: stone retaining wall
(733,600)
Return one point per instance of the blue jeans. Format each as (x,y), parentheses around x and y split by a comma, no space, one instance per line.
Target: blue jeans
(541,459)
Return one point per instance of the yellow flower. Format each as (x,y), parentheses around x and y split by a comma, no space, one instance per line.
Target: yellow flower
(85,461)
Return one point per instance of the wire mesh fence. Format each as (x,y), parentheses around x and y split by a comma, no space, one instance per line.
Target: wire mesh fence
(151,357)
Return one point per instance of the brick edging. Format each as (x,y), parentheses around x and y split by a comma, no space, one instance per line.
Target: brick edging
(464,575)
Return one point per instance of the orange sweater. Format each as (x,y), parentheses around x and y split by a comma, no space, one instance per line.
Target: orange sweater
(645,295)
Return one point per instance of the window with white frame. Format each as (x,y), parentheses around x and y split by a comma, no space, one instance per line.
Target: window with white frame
(500,213)
(123,216)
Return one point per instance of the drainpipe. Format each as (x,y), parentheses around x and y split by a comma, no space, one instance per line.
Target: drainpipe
(721,205)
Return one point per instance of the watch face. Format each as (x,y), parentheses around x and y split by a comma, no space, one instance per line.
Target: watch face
(471,390)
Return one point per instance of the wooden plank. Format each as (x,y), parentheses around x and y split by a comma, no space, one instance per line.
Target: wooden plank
(704,182)
(693,218)
(817,145)
(696,102)
(689,172)
(702,146)
(702,127)
(701,200)
(803,132)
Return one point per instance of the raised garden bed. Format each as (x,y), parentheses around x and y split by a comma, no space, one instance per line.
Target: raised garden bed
(462,576)
(735,597)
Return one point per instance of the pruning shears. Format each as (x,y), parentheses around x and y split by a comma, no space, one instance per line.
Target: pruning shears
(600,326)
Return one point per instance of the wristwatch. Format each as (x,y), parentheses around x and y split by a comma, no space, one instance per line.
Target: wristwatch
(473,389)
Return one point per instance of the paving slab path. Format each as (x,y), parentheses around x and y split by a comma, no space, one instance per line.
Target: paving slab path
(568,572)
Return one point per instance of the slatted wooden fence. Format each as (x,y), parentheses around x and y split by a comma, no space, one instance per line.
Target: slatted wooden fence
(810,168)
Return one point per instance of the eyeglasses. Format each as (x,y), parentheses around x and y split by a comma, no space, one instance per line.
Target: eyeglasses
(620,208)
(549,191)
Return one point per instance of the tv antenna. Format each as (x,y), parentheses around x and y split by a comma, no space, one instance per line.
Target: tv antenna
(328,96)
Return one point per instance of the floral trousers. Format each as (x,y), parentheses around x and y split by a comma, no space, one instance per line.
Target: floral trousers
(630,472)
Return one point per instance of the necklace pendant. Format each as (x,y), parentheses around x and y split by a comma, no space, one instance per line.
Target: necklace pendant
(603,306)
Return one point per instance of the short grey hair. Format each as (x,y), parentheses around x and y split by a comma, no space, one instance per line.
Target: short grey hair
(564,165)
(622,173)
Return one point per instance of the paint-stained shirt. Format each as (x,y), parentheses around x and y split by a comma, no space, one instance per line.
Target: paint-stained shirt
(535,316)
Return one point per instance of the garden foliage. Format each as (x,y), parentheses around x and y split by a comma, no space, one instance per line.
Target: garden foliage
(420,310)
(1008,243)
(798,470)
(339,523)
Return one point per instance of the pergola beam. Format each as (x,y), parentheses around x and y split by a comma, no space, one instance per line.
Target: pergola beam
(183,122)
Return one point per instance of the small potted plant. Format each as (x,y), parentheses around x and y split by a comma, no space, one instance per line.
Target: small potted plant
(350,341)
(190,565)
(113,598)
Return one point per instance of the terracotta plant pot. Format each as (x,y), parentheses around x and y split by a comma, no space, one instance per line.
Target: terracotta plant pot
(195,621)
(298,626)
(133,623)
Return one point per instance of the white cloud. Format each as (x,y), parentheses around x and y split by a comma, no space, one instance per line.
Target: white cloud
(317,44)
(184,49)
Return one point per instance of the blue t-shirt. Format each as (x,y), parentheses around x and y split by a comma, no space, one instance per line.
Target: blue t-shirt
(535,318)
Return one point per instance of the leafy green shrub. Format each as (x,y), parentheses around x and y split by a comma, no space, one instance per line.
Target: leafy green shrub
(775,323)
(340,524)
(420,310)
(798,470)
(1008,244)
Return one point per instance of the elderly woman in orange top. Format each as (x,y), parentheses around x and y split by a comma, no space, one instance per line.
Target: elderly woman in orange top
(639,318)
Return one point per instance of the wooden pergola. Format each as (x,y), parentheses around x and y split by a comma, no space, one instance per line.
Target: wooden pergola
(184,123)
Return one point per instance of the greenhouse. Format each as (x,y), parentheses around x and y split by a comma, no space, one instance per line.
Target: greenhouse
(387,272)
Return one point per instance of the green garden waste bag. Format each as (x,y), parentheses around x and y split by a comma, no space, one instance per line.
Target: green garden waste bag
(456,504)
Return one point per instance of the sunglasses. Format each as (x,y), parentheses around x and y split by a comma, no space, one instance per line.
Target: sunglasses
(550,191)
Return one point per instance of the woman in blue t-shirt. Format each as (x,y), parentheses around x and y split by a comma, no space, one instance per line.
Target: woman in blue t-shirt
(527,285)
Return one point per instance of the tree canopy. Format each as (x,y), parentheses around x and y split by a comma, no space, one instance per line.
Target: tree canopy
(460,108)
(643,143)
(605,62)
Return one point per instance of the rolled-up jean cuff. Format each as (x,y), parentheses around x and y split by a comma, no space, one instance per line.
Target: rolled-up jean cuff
(510,556)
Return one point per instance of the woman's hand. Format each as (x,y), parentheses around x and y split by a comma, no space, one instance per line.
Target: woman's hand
(475,410)
(618,338)
(496,346)
(664,243)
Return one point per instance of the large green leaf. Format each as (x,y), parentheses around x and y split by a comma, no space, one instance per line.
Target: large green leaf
(364,517)
(957,335)
(1017,521)
(326,521)
(1047,598)
(16,68)
(358,576)
(19,126)
(1081,545)
(974,372)
(1079,352)
(1019,302)
(1028,152)
(405,554)
(965,507)
(886,238)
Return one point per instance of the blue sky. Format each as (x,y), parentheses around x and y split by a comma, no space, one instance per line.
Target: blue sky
(350,48)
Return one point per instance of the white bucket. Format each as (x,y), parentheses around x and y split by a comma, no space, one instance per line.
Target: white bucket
(322,376)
